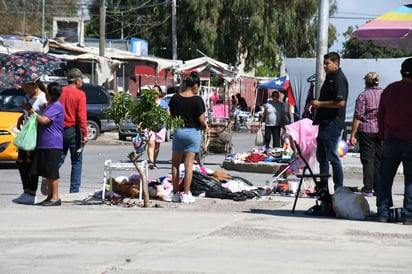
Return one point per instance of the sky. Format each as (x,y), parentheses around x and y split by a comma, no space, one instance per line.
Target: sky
(358,12)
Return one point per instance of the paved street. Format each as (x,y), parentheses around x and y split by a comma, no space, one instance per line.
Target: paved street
(210,236)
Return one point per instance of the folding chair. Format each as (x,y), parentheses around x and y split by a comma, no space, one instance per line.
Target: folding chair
(322,191)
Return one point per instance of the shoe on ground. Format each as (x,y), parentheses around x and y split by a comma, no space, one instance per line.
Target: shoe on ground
(172,197)
(42,202)
(407,222)
(152,165)
(44,187)
(25,199)
(51,203)
(188,198)
(384,220)
(367,194)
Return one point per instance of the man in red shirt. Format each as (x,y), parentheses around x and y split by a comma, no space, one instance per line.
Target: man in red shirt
(75,126)
(395,124)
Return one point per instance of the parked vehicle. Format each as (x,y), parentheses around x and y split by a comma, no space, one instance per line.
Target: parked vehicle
(128,129)
(8,130)
(98,101)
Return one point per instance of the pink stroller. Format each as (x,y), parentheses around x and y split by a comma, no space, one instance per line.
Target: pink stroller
(302,136)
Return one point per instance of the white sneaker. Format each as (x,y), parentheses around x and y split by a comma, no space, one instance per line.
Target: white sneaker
(172,197)
(25,199)
(188,198)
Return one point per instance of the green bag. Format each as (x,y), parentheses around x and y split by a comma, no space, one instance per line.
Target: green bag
(27,138)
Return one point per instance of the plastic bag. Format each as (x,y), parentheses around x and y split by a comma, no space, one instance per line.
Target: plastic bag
(348,205)
(138,144)
(259,141)
(27,138)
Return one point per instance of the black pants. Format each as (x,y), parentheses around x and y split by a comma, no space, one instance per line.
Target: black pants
(272,132)
(370,149)
(24,164)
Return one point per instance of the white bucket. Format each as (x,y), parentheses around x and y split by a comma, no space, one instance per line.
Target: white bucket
(293,185)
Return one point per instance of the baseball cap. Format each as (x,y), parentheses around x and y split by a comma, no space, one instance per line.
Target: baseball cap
(371,76)
(74,73)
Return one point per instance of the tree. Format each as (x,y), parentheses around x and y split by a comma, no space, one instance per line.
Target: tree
(355,48)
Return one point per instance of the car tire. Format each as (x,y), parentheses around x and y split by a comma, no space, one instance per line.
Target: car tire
(93,130)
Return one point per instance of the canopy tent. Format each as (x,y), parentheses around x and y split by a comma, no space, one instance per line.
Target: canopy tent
(205,66)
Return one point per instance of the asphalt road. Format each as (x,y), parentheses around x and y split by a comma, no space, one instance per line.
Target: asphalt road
(210,236)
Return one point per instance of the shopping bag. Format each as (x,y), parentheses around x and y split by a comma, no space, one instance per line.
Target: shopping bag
(349,205)
(259,141)
(27,138)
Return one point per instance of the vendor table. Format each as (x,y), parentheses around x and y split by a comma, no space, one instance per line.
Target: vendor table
(260,167)
(109,167)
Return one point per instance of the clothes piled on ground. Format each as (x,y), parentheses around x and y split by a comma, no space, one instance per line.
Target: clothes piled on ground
(205,183)
(259,154)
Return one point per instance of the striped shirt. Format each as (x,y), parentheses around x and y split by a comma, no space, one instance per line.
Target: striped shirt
(366,109)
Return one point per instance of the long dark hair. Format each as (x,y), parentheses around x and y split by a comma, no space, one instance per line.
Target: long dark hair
(192,79)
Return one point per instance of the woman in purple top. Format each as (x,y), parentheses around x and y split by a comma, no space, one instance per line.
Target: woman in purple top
(50,144)
(365,128)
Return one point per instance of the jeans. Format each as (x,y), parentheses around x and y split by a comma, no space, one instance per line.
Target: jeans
(395,151)
(72,142)
(370,149)
(327,152)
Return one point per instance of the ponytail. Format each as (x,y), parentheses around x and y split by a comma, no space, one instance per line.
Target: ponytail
(193,79)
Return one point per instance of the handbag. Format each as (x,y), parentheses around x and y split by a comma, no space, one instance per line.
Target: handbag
(27,138)
(259,141)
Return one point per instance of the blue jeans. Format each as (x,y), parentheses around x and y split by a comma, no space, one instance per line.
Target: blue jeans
(72,142)
(395,151)
(327,152)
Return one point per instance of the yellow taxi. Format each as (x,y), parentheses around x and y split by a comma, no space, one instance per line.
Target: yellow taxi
(10,111)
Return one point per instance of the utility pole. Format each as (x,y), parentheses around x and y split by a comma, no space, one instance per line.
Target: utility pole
(102,27)
(322,46)
(122,23)
(174,38)
(43,12)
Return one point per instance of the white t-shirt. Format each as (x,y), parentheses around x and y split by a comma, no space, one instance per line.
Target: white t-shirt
(36,102)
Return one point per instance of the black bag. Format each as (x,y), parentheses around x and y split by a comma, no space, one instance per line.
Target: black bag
(224,193)
(202,183)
